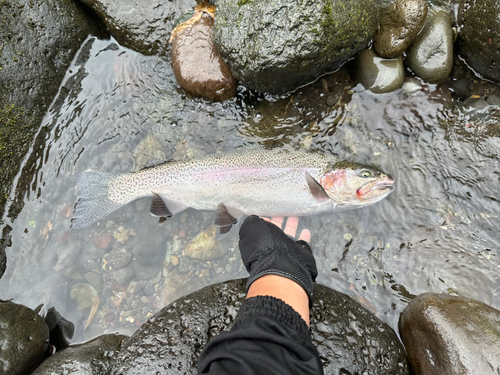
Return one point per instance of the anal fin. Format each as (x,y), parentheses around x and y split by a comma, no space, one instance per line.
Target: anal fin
(163,207)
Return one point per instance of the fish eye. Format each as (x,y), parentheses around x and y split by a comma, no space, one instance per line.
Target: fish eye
(365,173)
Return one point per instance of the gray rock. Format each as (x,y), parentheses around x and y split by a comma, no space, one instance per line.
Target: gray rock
(377,74)
(349,338)
(430,56)
(123,276)
(143,26)
(277,46)
(197,65)
(145,272)
(95,279)
(92,357)
(479,36)
(118,258)
(148,250)
(462,87)
(24,339)
(60,330)
(399,25)
(447,335)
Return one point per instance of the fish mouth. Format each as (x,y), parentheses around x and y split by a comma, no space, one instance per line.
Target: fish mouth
(381,185)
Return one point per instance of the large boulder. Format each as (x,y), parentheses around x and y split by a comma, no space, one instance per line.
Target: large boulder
(479,36)
(349,338)
(277,46)
(142,25)
(38,41)
(89,358)
(448,335)
(24,338)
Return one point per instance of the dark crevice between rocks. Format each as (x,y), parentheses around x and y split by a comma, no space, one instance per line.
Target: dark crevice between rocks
(98,21)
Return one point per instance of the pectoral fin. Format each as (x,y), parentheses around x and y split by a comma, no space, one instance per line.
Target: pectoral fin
(316,189)
(163,207)
(226,216)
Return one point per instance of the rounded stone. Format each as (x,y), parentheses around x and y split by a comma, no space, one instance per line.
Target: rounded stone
(479,36)
(118,258)
(92,357)
(197,65)
(349,338)
(278,46)
(430,56)
(24,338)
(204,246)
(399,25)
(377,74)
(448,335)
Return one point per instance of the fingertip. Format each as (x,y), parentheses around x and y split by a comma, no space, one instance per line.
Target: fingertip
(305,235)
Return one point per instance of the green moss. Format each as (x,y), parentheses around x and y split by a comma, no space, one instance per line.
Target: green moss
(9,119)
(243,2)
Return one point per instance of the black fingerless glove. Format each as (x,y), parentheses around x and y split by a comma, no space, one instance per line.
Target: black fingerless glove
(265,250)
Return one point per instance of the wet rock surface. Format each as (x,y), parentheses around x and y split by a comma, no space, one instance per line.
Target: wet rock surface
(430,56)
(92,357)
(349,338)
(24,339)
(39,39)
(197,65)
(143,26)
(278,46)
(450,335)
(378,74)
(479,36)
(61,330)
(399,25)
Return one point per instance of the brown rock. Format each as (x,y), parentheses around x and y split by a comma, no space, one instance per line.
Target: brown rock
(399,25)
(447,335)
(197,65)
(204,246)
(102,242)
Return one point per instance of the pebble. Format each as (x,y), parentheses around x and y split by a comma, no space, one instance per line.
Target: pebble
(174,260)
(399,25)
(102,242)
(95,279)
(123,276)
(377,74)
(204,247)
(430,56)
(118,258)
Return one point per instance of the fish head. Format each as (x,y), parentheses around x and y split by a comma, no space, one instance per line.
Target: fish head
(353,185)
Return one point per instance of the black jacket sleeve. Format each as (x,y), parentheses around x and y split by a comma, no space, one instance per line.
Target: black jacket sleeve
(268,337)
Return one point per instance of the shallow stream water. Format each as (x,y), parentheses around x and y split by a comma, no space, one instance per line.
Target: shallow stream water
(116,109)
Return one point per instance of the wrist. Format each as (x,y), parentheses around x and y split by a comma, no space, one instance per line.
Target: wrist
(284,289)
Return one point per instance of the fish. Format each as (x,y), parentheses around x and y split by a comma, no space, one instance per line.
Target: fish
(250,181)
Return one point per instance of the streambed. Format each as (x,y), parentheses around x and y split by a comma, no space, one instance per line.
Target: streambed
(117,109)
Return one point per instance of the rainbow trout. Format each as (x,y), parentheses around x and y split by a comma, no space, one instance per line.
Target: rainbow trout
(278,182)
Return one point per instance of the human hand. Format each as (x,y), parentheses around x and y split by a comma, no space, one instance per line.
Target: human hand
(291,227)
(266,249)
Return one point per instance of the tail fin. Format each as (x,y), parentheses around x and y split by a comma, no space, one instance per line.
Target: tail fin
(94,204)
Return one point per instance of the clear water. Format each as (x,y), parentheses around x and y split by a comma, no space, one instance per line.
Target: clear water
(438,232)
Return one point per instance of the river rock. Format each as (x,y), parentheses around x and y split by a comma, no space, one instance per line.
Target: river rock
(39,39)
(479,36)
(277,46)
(399,25)
(448,335)
(143,26)
(350,339)
(24,339)
(60,330)
(430,56)
(118,258)
(198,66)
(92,357)
(378,74)
(149,149)
(204,246)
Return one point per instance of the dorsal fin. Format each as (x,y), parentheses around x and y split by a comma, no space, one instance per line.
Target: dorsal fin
(316,189)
